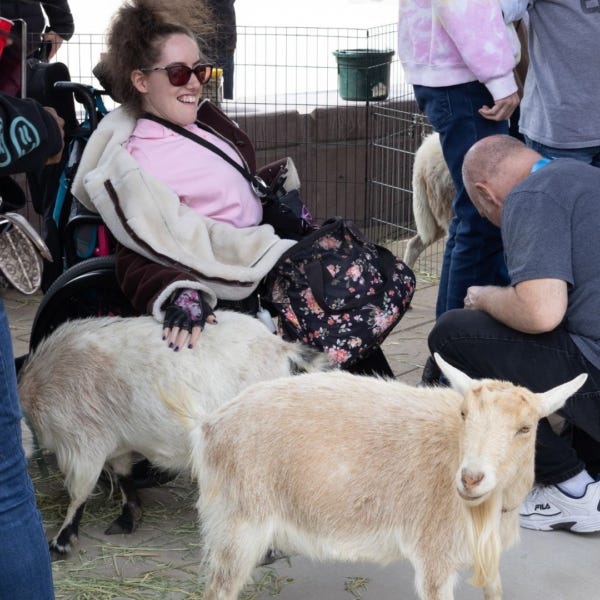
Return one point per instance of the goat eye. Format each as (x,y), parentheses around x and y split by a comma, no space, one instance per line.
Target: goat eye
(463,415)
(523,430)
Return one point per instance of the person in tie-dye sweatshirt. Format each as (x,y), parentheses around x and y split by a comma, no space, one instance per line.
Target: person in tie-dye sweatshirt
(459,56)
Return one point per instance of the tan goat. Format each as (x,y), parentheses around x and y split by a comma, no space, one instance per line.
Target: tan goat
(433,192)
(92,390)
(342,467)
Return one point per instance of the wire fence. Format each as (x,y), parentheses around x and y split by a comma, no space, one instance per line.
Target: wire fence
(354,153)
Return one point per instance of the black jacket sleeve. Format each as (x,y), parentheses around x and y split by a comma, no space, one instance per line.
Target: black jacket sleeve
(58,12)
(60,17)
(28,135)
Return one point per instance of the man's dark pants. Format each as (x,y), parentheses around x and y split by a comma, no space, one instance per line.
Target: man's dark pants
(482,347)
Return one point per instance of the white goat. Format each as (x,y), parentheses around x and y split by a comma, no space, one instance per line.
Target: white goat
(338,466)
(433,192)
(92,391)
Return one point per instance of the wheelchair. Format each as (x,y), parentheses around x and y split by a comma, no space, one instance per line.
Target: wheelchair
(81,281)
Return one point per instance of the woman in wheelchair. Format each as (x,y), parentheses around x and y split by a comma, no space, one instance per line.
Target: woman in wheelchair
(187,223)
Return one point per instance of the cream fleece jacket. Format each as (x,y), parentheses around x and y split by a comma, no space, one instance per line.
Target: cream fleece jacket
(146,216)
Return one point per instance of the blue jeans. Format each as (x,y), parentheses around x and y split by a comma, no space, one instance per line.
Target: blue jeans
(590,155)
(473,253)
(25,571)
(481,347)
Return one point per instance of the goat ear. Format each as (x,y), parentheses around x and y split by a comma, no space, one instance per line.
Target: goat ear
(553,399)
(458,380)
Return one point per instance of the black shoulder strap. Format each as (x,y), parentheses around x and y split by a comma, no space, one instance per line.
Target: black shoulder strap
(258,185)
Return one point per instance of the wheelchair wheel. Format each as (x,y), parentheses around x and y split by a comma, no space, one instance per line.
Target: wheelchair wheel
(87,289)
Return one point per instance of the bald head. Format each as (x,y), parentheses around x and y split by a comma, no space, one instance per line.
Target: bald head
(491,168)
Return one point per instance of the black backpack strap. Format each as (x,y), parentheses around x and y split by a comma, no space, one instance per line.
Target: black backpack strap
(258,185)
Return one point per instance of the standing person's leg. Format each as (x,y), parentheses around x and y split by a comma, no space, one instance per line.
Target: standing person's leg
(226,63)
(482,347)
(228,70)
(473,253)
(25,571)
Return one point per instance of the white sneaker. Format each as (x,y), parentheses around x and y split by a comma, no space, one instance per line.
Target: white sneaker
(547,508)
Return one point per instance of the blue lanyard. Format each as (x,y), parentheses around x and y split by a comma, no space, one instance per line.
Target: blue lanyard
(539,164)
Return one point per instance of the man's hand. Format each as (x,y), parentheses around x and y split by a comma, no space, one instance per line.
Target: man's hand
(473,296)
(502,109)
(531,306)
(52,160)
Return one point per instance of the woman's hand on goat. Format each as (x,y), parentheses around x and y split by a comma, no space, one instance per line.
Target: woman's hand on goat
(185,317)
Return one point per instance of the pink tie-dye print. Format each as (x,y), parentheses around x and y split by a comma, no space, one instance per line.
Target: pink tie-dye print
(449,42)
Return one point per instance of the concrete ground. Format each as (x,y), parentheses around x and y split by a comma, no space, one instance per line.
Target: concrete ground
(160,560)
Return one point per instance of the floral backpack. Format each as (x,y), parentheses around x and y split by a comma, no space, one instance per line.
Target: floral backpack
(339,292)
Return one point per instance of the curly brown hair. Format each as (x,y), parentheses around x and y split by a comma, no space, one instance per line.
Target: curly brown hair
(136,36)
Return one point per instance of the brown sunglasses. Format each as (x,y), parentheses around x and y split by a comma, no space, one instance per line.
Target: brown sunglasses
(180,74)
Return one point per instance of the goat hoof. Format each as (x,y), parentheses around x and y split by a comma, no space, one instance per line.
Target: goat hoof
(270,557)
(127,521)
(121,525)
(58,551)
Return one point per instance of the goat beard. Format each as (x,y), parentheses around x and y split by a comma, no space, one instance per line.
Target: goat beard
(485,539)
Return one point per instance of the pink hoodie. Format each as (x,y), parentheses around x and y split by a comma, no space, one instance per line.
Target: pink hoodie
(449,42)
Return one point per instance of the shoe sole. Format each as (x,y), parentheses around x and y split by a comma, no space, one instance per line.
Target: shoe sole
(576,526)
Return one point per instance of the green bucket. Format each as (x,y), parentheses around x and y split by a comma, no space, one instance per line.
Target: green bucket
(363,74)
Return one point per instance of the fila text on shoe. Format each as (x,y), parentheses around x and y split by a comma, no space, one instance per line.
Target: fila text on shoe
(547,508)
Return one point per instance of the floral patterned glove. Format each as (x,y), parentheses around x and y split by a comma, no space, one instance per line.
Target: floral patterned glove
(186,310)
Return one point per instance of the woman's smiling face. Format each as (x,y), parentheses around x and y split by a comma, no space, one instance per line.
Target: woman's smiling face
(177,104)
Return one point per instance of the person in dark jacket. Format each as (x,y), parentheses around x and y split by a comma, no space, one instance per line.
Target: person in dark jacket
(50,21)
(221,45)
(30,136)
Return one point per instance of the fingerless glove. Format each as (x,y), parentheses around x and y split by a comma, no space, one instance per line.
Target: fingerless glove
(186,310)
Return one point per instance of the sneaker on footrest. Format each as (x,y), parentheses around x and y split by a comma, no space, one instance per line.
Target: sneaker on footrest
(547,508)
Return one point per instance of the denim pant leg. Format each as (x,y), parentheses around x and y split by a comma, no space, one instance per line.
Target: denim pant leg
(473,254)
(590,155)
(25,571)
(482,347)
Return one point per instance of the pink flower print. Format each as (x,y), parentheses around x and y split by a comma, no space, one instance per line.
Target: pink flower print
(338,355)
(290,316)
(383,320)
(354,342)
(311,303)
(333,269)
(329,243)
(354,272)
